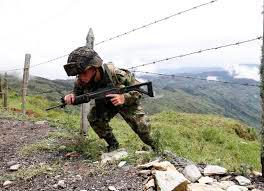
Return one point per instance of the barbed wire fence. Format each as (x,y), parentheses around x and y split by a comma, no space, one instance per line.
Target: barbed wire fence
(133,68)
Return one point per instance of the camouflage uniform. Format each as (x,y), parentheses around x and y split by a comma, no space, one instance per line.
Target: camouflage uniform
(131,110)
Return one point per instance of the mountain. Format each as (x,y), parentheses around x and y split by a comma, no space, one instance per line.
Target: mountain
(177,94)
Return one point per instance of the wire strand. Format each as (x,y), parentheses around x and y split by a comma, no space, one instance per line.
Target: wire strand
(196,52)
(157,21)
(197,78)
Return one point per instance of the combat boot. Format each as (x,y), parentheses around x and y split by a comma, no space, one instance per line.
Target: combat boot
(112,143)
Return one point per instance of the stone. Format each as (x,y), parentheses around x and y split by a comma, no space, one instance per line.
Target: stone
(226,178)
(150,184)
(79,177)
(206,180)
(214,170)
(256,173)
(243,181)
(61,184)
(255,189)
(142,152)
(11,163)
(121,164)
(15,167)
(237,188)
(203,187)
(223,184)
(112,188)
(170,180)
(192,173)
(113,156)
(41,123)
(164,165)
(7,183)
(147,165)
(144,172)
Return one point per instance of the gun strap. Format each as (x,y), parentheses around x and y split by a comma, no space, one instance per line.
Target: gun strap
(110,70)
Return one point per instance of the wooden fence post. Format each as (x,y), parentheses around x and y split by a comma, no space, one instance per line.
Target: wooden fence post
(85,108)
(1,90)
(25,82)
(262,98)
(5,92)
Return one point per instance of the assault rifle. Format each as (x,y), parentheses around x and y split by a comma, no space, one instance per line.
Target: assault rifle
(85,98)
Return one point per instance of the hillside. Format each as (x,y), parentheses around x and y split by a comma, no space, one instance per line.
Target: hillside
(178,94)
(193,136)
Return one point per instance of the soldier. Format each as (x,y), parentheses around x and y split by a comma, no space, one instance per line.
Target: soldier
(92,75)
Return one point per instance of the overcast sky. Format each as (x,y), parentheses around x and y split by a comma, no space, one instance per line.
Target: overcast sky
(49,28)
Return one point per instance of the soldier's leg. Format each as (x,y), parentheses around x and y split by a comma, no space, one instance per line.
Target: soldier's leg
(102,128)
(139,122)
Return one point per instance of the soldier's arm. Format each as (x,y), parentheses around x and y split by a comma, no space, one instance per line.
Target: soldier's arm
(126,78)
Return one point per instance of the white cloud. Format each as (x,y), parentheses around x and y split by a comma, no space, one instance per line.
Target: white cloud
(48,29)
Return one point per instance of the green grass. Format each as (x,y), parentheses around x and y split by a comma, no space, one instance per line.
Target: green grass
(200,138)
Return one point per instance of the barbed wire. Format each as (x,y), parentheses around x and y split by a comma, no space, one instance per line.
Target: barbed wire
(123,34)
(157,21)
(198,78)
(197,52)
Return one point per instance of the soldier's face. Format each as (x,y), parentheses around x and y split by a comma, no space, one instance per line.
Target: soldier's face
(87,75)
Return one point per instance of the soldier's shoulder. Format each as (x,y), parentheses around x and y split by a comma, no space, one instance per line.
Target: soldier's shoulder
(115,70)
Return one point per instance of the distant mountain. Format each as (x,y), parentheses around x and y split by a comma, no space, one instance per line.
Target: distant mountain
(177,94)
(196,96)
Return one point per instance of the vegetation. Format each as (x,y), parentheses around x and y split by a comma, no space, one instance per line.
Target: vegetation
(201,138)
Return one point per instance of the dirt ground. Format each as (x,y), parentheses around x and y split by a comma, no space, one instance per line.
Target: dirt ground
(77,174)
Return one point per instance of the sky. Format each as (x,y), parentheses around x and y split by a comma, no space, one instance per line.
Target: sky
(47,29)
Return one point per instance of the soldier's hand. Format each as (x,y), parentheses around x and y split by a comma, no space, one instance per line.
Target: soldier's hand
(117,99)
(69,99)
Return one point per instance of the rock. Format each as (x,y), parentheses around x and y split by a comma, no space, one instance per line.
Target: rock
(112,188)
(192,173)
(41,123)
(214,170)
(7,183)
(61,184)
(164,165)
(170,180)
(206,180)
(226,178)
(203,187)
(144,172)
(147,165)
(15,167)
(237,188)
(113,156)
(223,184)
(79,177)
(142,152)
(256,173)
(121,164)
(150,184)
(255,190)
(243,181)
(11,163)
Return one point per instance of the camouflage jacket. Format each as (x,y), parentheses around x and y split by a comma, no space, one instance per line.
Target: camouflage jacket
(112,77)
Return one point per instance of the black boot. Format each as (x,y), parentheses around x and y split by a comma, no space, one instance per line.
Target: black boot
(112,143)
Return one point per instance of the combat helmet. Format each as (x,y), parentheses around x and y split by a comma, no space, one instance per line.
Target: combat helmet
(82,59)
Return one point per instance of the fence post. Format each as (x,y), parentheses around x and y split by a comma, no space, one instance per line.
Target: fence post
(5,92)
(86,106)
(262,98)
(1,90)
(25,82)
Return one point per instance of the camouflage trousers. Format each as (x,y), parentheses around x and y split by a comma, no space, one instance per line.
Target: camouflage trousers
(134,115)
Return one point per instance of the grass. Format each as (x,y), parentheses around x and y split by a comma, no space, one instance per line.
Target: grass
(200,138)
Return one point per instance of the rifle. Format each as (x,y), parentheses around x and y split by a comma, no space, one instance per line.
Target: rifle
(85,98)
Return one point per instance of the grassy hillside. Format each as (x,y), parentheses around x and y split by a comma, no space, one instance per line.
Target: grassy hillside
(201,138)
(177,94)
